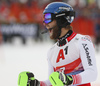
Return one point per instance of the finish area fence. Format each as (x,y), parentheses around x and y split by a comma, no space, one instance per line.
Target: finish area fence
(9,31)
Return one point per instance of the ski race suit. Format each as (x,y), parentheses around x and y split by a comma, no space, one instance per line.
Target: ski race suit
(73,54)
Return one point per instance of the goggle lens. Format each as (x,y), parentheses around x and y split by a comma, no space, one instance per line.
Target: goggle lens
(47,18)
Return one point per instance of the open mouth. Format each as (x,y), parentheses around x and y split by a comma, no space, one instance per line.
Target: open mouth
(50,30)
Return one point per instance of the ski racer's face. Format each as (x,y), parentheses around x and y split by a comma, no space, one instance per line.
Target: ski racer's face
(51,24)
(53,29)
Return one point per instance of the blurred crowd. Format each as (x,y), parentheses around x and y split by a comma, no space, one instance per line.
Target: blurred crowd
(87,20)
(20,11)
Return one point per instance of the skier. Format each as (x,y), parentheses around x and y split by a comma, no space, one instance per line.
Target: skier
(71,60)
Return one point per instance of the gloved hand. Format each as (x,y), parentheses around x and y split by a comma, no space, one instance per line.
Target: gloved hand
(60,79)
(27,79)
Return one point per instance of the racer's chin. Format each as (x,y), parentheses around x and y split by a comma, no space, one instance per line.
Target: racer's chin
(54,34)
(51,35)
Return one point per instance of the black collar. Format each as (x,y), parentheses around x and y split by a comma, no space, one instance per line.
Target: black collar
(63,40)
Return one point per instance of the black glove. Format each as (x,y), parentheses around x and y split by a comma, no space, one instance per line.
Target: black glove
(27,79)
(34,83)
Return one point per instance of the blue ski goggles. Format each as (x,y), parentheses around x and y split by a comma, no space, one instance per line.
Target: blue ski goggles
(47,18)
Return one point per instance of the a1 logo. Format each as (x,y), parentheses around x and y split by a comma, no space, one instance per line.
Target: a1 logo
(61,54)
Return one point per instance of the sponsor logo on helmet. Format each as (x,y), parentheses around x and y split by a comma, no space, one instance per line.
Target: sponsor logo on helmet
(65,8)
(60,15)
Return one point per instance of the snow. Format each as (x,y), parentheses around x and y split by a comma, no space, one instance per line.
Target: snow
(15,58)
